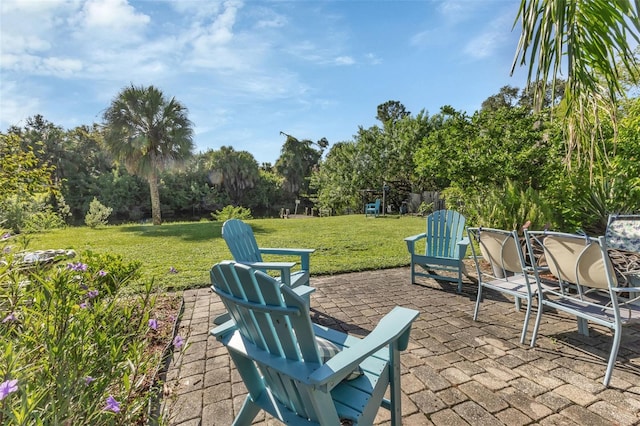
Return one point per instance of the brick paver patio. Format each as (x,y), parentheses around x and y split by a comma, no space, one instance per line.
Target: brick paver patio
(455,371)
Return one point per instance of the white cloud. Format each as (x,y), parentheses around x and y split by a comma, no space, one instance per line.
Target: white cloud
(373,59)
(492,38)
(111,15)
(198,10)
(423,38)
(344,60)
(274,21)
(62,66)
(456,11)
(28,26)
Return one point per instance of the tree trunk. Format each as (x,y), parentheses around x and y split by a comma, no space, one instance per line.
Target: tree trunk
(155,199)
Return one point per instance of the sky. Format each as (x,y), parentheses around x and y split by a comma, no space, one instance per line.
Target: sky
(248,70)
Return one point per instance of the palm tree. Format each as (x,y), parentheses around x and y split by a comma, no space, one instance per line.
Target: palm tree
(236,171)
(590,39)
(149,133)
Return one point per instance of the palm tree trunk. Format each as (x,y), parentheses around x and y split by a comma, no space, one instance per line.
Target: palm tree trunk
(155,199)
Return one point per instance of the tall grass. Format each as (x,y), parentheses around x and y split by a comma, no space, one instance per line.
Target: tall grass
(179,255)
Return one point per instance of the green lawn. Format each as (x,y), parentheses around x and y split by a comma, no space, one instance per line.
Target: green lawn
(342,243)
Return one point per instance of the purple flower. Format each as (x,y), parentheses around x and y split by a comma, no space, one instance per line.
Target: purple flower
(85,305)
(178,341)
(8,387)
(153,324)
(173,270)
(6,236)
(112,405)
(77,266)
(88,380)
(92,294)
(102,272)
(9,318)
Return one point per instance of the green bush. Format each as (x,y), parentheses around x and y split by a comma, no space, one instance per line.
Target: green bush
(425,208)
(114,270)
(508,207)
(231,212)
(454,198)
(592,203)
(16,212)
(97,215)
(43,220)
(73,351)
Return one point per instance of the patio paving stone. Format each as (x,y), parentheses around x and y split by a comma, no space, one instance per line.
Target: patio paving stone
(454,372)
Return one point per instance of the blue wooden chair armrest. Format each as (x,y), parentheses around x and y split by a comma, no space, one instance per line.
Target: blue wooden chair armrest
(283,267)
(462,247)
(302,252)
(464,242)
(304,291)
(224,329)
(411,241)
(395,326)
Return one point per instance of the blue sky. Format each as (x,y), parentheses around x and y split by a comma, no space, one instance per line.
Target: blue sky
(248,70)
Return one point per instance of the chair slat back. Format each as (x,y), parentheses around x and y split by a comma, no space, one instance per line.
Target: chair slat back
(501,249)
(576,259)
(445,228)
(267,313)
(241,241)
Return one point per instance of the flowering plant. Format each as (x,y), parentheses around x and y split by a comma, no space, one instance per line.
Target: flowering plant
(73,338)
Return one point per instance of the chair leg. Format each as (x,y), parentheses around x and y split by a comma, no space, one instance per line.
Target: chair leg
(537,324)
(475,312)
(459,279)
(247,413)
(617,334)
(394,386)
(527,314)
(583,326)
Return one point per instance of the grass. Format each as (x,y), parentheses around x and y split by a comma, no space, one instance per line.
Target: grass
(342,243)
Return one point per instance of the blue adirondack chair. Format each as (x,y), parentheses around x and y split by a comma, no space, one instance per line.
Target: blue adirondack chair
(283,359)
(244,248)
(445,247)
(372,208)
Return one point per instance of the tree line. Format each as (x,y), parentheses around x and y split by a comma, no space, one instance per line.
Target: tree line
(140,164)
(503,165)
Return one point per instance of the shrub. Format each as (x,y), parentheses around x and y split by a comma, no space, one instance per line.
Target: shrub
(72,351)
(231,212)
(425,208)
(454,198)
(43,220)
(97,215)
(115,270)
(508,207)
